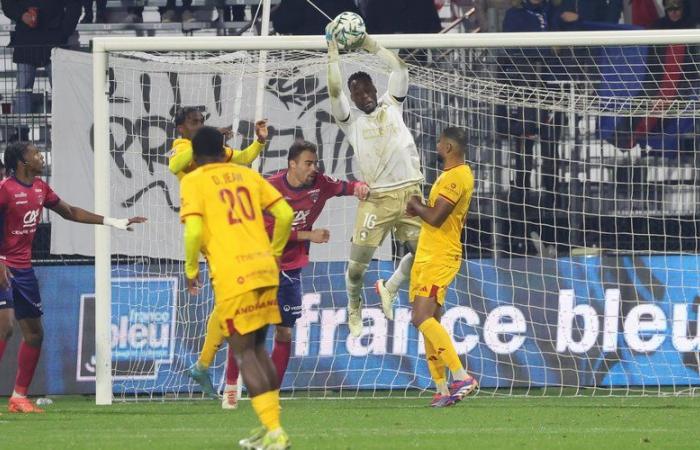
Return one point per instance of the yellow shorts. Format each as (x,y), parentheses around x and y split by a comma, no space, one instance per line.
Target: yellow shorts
(248,312)
(431,279)
(383,213)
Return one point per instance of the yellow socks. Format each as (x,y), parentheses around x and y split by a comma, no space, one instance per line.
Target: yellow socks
(441,343)
(436,366)
(267,407)
(212,342)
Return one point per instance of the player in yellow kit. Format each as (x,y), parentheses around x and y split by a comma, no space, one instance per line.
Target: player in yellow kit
(437,262)
(187,121)
(222,207)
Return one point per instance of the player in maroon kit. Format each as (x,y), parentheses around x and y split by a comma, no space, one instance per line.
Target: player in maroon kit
(306,190)
(22,198)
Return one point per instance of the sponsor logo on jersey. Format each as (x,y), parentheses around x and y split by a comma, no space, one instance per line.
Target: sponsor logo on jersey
(300,218)
(30,218)
(314,194)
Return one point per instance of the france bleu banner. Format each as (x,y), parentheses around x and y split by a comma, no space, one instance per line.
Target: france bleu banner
(612,320)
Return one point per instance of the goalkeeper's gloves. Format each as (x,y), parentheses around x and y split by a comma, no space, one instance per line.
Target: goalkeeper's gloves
(329,32)
(122,224)
(370,44)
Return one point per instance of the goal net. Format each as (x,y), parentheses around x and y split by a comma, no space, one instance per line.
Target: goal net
(580,268)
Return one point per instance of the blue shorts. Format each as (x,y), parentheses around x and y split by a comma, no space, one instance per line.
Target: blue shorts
(289,297)
(22,295)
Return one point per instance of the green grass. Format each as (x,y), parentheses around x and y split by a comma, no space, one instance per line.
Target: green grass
(476,423)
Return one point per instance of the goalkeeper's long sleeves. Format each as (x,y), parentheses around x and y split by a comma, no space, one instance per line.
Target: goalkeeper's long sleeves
(193,242)
(398,79)
(284,215)
(340,106)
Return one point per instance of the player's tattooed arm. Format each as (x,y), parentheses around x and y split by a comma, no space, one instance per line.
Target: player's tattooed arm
(434,215)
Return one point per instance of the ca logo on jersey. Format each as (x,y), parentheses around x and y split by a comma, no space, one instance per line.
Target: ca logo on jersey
(30,218)
(300,217)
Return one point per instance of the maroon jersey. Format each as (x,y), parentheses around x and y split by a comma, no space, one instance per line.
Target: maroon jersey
(307,203)
(20,212)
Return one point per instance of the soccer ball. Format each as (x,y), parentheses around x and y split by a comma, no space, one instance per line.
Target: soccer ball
(348,30)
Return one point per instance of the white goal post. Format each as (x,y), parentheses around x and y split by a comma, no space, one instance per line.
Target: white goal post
(103,47)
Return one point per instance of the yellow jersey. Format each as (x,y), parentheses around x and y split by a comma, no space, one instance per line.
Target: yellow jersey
(181,160)
(443,244)
(231,199)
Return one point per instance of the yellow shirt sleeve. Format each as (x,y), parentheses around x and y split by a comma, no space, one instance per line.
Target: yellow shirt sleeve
(191,214)
(246,156)
(181,159)
(190,199)
(193,244)
(453,186)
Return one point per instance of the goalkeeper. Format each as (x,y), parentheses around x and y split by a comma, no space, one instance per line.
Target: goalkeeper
(188,121)
(389,164)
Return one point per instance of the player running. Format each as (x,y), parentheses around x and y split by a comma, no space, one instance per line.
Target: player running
(437,263)
(221,206)
(22,198)
(188,121)
(389,164)
(306,190)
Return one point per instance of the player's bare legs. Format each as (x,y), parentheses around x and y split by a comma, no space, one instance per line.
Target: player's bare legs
(27,359)
(260,378)
(354,279)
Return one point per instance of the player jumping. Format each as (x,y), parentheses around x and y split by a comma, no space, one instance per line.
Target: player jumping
(188,121)
(437,263)
(222,205)
(389,164)
(22,198)
(306,190)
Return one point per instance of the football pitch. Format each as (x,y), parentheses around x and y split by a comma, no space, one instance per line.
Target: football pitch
(481,422)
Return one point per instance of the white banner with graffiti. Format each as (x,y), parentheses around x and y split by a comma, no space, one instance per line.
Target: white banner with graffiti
(142,99)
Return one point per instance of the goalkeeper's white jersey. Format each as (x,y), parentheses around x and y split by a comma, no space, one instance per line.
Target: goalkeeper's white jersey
(384,146)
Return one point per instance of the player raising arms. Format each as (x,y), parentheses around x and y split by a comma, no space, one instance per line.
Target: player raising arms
(22,198)
(389,164)
(221,205)
(188,121)
(306,190)
(438,259)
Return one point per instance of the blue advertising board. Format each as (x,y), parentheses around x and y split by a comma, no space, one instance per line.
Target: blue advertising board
(579,321)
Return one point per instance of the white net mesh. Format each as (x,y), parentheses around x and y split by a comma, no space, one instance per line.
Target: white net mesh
(580,265)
